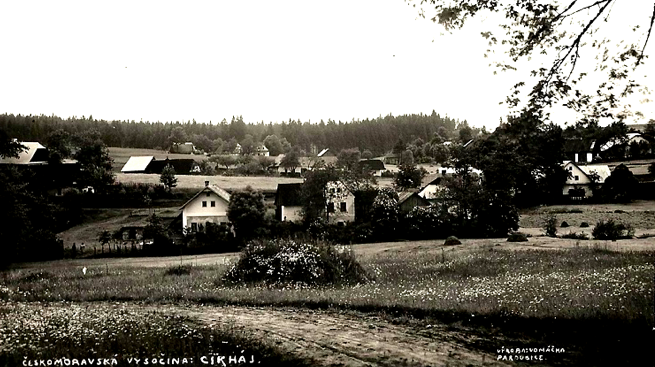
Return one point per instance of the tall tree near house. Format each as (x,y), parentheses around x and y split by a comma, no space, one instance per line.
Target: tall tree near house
(366,154)
(561,34)
(167,177)
(248,145)
(178,136)
(95,161)
(348,159)
(291,160)
(620,185)
(274,145)
(226,161)
(246,212)
(59,144)
(314,193)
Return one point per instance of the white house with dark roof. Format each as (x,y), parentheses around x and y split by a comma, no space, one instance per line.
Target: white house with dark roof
(582,178)
(208,205)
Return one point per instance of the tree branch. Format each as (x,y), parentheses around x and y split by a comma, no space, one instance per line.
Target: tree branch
(650,28)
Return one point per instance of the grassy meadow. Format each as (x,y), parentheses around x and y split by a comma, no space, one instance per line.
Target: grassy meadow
(563,297)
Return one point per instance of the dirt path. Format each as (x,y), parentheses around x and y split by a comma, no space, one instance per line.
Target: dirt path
(336,339)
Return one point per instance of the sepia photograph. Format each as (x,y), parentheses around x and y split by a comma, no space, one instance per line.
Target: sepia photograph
(388,183)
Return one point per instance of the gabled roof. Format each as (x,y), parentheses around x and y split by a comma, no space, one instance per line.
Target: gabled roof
(322,152)
(403,196)
(34,154)
(137,164)
(288,194)
(578,145)
(215,189)
(602,170)
(372,164)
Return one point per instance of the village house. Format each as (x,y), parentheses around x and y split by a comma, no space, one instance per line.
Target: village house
(262,150)
(340,203)
(627,143)
(182,148)
(208,205)
(288,205)
(579,150)
(583,178)
(375,166)
(35,158)
(432,184)
(408,200)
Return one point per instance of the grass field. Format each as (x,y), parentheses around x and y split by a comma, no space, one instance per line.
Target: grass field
(562,296)
(225,182)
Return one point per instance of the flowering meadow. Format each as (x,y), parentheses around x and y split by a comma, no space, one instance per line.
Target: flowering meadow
(574,295)
(575,283)
(63,334)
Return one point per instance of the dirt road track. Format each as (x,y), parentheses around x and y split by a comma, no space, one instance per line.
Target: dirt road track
(335,339)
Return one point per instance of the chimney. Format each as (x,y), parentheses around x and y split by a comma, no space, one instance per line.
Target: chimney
(206,183)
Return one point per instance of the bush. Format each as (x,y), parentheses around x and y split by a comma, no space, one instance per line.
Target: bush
(178,270)
(550,226)
(576,236)
(564,224)
(451,241)
(517,237)
(611,230)
(279,262)
(584,225)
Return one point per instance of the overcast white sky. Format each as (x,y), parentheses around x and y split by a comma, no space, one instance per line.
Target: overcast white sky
(268,61)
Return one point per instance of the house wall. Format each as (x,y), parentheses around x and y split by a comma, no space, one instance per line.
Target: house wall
(430,192)
(337,194)
(411,203)
(195,213)
(575,171)
(291,213)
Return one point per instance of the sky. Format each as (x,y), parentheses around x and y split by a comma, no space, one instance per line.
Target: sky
(268,61)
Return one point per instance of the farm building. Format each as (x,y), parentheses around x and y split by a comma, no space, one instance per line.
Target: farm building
(626,145)
(208,205)
(582,179)
(376,166)
(288,205)
(186,148)
(579,150)
(50,176)
(148,164)
(137,164)
(409,200)
(35,154)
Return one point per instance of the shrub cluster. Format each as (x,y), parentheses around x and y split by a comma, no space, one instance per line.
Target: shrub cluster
(517,237)
(611,230)
(576,236)
(550,226)
(280,262)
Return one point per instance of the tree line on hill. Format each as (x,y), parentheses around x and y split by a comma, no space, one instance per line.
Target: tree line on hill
(377,135)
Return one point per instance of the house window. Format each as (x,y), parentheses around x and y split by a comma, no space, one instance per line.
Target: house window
(213,204)
(194,227)
(330,207)
(576,178)
(443,172)
(343,207)
(207,194)
(204,204)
